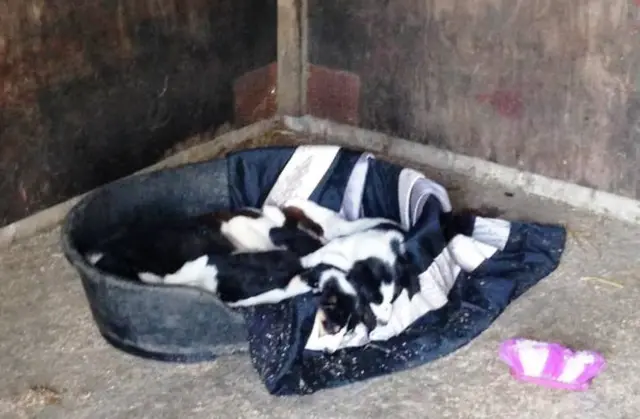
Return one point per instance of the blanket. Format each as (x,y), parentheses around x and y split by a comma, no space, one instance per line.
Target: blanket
(472,267)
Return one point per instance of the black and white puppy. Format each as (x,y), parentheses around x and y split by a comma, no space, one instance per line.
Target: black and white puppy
(358,278)
(150,252)
(342,302)
(360,271)
(331,224)
(242,279)
(361,295)
(265,268)
(140,248)
(271,228)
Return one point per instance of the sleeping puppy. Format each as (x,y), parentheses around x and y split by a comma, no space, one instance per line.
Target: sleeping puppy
(340,306)
(330,223)
(241,279)
(298,233)
(162,250)
(363,295)
(142,248)
(265,267)
(369,259)
(269,228)
(368,267)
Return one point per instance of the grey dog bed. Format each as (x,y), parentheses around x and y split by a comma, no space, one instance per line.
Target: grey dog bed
(151,321)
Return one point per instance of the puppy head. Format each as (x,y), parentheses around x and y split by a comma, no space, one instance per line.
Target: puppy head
(376,285)
(336,307)
(340,306)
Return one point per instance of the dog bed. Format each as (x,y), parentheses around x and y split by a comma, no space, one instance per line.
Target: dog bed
(466,283)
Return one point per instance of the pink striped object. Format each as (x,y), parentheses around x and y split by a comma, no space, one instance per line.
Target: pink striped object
(550,364)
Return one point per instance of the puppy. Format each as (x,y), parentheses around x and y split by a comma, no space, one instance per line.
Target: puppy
(241,279)
(159,250)
(340,307)
(369,260)
(331,224)
(363,295)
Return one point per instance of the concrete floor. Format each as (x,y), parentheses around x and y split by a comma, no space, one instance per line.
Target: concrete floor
(54,364)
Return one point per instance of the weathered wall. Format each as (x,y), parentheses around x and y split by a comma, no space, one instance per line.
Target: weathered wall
(93,90)
(549,86)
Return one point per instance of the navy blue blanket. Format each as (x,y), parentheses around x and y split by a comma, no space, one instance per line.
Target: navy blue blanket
(465,286)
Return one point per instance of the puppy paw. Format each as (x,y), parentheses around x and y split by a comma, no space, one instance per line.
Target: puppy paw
(383,312)
(149,278)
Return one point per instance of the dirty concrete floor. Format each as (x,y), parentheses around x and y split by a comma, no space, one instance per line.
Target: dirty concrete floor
(54,364)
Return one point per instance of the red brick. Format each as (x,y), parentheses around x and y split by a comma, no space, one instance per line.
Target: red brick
(255,95)
(331,94)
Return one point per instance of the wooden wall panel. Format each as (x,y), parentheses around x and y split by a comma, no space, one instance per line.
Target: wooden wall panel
(549,86)
(94,90)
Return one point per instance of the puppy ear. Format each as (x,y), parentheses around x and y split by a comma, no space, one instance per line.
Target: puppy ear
(220,216)
(366,282)
(312,277)
(214,220)
(296,217)
(381,271)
